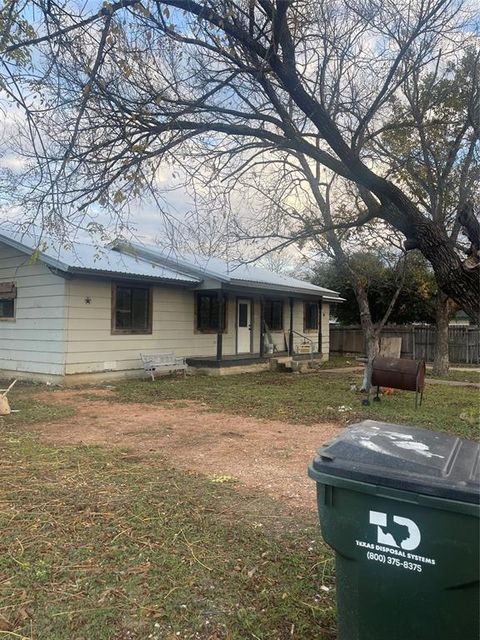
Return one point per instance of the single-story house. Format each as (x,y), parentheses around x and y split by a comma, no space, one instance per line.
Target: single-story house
(76,312)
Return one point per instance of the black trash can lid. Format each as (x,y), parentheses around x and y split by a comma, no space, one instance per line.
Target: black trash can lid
(406,458)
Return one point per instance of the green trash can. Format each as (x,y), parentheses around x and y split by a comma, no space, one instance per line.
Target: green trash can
(400,507)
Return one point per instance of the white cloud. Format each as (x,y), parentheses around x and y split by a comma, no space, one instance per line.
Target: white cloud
(13,162)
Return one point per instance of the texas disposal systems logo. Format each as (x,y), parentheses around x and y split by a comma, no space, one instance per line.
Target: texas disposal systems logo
(399,532)
(391,541)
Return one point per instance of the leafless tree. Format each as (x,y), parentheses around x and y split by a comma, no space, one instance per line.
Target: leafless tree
(310,207)
(111,94)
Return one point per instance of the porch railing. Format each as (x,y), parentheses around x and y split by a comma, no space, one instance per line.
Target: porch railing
(305,339)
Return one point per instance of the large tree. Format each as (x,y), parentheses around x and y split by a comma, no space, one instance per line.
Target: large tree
(434,153)
(110,92)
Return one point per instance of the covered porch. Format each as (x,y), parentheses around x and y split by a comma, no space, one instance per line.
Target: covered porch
(253,325)
(242,360)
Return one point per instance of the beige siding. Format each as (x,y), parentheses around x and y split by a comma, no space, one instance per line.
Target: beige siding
(256,325)
(92,347)
(35,341)
(64,326)
(279,338)
(325,325)
(312,335)
(298,327)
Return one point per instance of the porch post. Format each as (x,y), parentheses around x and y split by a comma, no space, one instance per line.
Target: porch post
(262,329)
(290,335)
(221,316)
(319,326)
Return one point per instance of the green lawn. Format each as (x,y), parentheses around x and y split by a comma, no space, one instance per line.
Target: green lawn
(107,546)
(310,398)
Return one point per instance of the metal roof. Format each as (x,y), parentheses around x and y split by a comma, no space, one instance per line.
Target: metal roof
(83,258)
(230,272)
(139,261)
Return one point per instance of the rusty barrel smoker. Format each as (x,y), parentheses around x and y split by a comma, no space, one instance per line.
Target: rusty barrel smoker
(399,373)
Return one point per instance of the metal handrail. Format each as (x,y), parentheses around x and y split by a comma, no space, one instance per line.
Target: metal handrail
(307,339)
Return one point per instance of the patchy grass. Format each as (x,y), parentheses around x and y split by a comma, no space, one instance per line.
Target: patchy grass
(31,411)
(335,362)
(109,545)
(463,365)
(105,545)
(310,399)
(28,409)
(458,376)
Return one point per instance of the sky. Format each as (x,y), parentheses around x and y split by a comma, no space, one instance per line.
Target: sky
(146,221)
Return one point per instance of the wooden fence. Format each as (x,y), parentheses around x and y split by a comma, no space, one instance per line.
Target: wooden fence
(417,341)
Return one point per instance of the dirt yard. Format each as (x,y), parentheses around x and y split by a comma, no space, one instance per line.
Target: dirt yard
(267,455)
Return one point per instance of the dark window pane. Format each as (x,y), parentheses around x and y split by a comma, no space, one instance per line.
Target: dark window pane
(267,313)
(242,314)
(7,308)
(123,310)
(214,317)
(311,315)
(204,312)
(277,315)
(208,312)
(273,313)
(132,311)
(140,309)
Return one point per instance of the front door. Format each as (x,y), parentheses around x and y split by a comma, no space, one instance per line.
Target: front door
(244,326)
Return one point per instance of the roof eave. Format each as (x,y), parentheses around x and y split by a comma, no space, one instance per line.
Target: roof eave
(120,275)
(51,262)
(333,299)
(286,289)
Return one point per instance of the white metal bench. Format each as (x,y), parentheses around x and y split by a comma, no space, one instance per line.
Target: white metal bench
(167,362)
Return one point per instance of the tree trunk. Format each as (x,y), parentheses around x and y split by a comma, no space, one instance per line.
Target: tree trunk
(441,362)
(372,342)
(452,277)
(372,336)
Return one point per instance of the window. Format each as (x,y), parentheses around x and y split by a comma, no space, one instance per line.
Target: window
(310,316)
(273,314)
(243,314)
(8,293)
(208,312)
(131,309)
